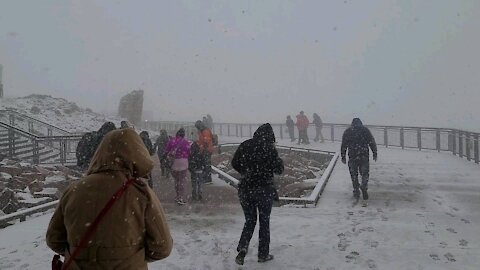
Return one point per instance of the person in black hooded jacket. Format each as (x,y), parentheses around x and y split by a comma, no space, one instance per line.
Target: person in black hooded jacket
(257,160)
(357,139)
(89,143)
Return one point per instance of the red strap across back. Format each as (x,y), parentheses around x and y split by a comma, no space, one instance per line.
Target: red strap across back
(88,235)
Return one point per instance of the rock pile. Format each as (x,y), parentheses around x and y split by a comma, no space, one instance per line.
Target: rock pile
(23,185)
(299,178)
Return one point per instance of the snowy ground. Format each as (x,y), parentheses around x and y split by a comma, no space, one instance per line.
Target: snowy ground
(422,214)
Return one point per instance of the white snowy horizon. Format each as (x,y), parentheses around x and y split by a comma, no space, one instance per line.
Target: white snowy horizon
(387,62)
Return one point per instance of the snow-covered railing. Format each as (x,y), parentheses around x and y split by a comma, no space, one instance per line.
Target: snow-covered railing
(22,214)
(463,143)
(312,199)
(17,143)
(30,124)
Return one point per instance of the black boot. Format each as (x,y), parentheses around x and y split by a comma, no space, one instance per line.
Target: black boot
(364,193)
(267,258)
(241,257)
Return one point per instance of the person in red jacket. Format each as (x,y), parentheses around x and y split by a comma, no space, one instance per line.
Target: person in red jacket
(302,125)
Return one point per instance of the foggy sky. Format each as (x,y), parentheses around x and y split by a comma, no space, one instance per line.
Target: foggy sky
(388,62)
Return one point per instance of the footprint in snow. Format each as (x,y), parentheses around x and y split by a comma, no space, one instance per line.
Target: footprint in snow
(450,257)
(371,264)
(434,257)
(466,221)
(451,230)
(463,243)
(352,256)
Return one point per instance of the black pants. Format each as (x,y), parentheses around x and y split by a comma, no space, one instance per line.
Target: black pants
(196,178)
(303,137)
(361,166)
(255,201)
(163,164)
(207,173)
(291,133)
(318,134)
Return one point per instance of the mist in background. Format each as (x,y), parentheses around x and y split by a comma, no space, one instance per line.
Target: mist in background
(388,62)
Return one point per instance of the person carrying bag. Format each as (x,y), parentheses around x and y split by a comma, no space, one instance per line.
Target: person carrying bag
(123,231)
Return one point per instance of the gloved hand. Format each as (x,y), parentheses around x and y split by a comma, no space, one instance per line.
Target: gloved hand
(344,160)
(375,157)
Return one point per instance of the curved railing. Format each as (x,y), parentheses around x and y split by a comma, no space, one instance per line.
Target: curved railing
(464,144)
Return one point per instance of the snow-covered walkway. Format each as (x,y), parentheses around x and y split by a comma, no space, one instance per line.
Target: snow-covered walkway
(421,215)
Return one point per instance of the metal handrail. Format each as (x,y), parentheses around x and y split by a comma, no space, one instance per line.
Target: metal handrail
(21,115)
(459,142)
(62,144)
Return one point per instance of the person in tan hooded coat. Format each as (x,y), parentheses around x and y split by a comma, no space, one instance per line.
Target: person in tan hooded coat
(133,232)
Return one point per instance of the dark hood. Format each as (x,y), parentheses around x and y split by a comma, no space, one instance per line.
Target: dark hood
(122,150)
(199,125)
(356,122)
(106,127)
(265,133)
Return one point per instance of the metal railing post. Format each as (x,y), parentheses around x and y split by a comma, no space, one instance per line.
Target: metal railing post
(467,145)
(228,130)
(221,129)
(332,132)
(460,144)
(437,137)
(385,136)
(11,143)
(419,138)
(475,148)
(36,157)
(454,142)
(281,131)
(250,129)
(63,155)
(241,130)
(402,138)
(11,117)
(236,130)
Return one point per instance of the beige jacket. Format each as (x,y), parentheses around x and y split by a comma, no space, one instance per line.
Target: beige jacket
(134,231)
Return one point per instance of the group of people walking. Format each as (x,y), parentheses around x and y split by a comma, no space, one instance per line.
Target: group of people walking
(135,230)
(179,156)
(302,124)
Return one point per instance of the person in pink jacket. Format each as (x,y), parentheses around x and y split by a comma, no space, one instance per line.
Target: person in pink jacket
(181,148)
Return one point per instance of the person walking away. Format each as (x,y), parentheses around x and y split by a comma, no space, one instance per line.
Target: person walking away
(133,232)
(125,124)
(89,143)
(196,166)
(210,122)
(290,127)
(160,144)
(205,142)
(151,150)
(302,125)
(357,140)
(180,148)
(317,121)
(257,160)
